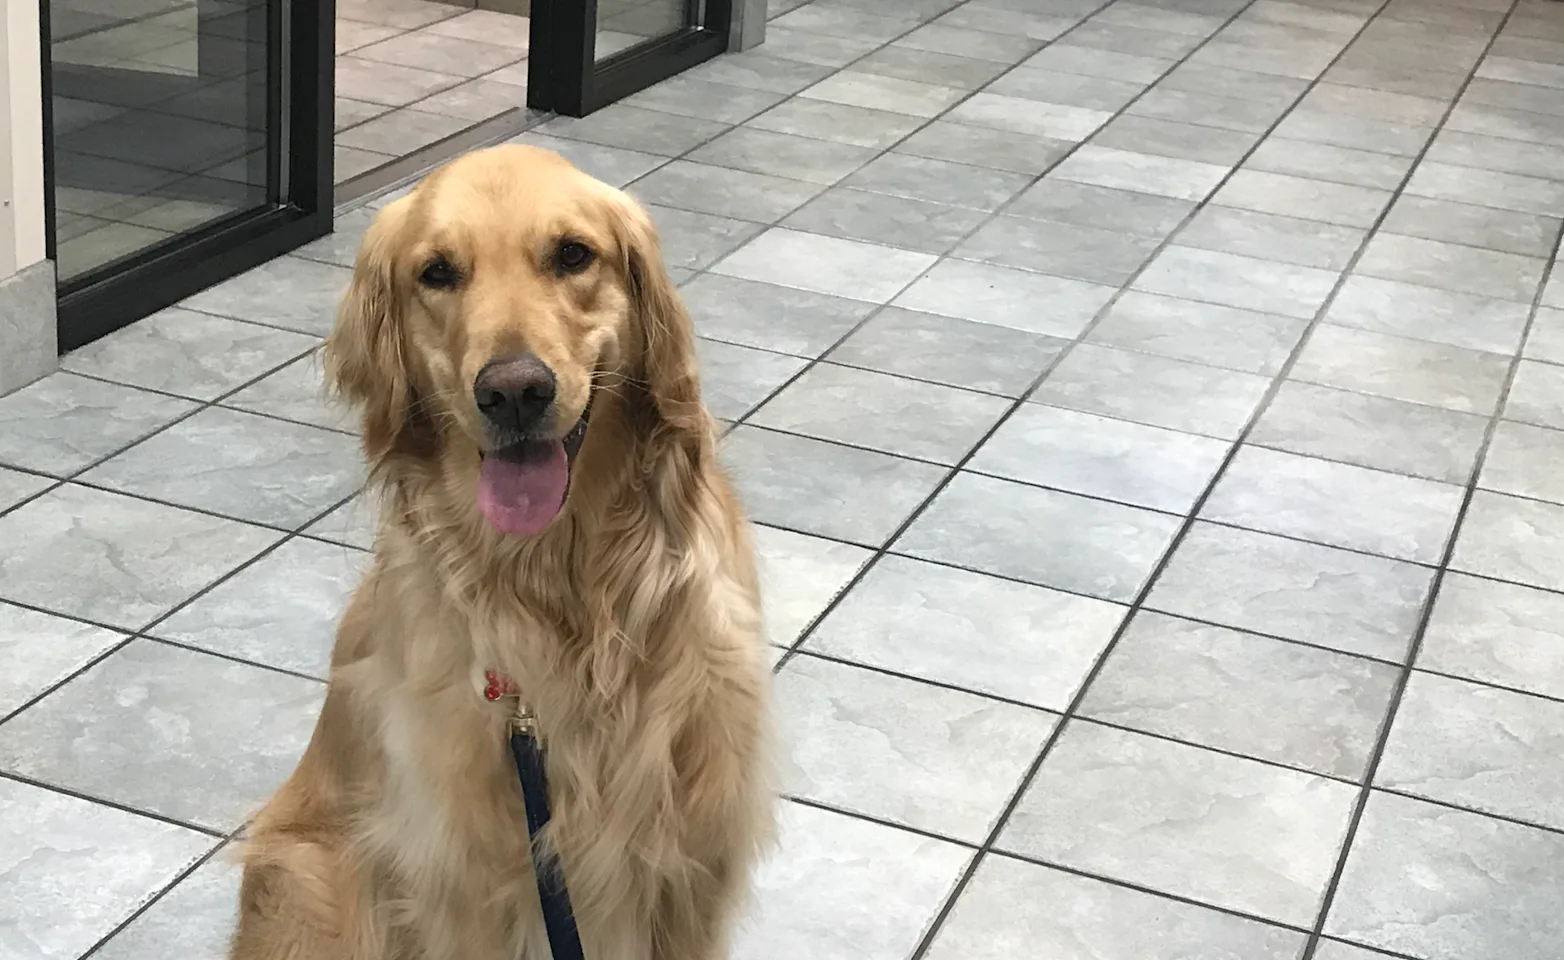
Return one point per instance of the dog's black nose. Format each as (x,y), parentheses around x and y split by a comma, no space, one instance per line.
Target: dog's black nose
(514,393)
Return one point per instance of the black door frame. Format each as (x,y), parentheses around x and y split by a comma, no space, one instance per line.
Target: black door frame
(301,82)
(564,77)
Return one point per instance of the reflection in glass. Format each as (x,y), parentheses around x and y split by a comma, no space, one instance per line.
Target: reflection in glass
(622,24)
(160,121)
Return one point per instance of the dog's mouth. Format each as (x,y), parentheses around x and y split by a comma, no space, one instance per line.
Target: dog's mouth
(522,486)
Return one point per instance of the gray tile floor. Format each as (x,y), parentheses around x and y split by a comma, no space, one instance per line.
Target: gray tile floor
(1152,412)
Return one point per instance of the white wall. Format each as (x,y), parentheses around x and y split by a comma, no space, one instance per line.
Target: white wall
(28,336)
(21,139)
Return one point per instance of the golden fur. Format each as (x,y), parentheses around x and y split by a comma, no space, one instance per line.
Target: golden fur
(631,624)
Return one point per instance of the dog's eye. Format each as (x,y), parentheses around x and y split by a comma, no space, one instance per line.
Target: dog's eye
(573,257)
(439,274)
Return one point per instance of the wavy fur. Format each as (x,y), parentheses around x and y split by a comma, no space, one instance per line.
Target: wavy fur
(632,623)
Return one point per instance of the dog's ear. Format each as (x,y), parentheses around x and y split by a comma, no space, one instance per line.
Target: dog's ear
(667,366)
(365,360)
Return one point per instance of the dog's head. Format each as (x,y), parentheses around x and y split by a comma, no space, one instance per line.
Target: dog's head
(491,310)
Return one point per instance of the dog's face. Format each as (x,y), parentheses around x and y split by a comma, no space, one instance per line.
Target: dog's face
(487,310)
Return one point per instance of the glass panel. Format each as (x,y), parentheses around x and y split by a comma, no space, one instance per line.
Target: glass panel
(622,24)
(160,121)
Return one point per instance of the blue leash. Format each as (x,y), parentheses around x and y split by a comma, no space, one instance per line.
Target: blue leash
(564,939)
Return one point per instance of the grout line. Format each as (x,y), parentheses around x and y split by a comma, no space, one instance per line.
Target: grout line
(114,804)
(168,888)
(1403,680)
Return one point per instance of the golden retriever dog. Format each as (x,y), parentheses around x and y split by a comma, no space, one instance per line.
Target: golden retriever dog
(552,511)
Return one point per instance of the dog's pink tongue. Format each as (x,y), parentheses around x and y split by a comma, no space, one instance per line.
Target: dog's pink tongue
(521,498)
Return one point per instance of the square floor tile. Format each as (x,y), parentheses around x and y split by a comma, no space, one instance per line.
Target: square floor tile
(297,392)
(1358,133)
(1018,299)
(1035,118)
(1428,313)
(893,221)
(1336,950)
(1545,341)
(878,92)
(734,379)
(636,128)
(63,423)
(1093,547)
(1142,172)
(1036,645)
(16,486)
(1525,460)
(824,488)
(309,294)
(400,130)
(1153,390)
(1289,196)
(71,871)
(195,920)
(1014,20)
(146,726)
(1506,191)
(1307,243)
(1099,63)
(1468,381)
(841,122)
(1496,632)
(1083,205)
(799,577)
(1238,281)
(899,750)
(38,650)
(959,41)
(822,893)
(1012,906)
(1336,504)
(1182,141)
(1452,267)
(353,524)
(1263,698)
(187,353)
(985,147)
(938,181)
(705,100)
(1392,435)
(240,465)
(847,268)
(1112,459)
(1169,816)
(845,21)
(388,84)
(959,353)
(1464,223)
(723,191)
(115,559)
(789,44)
(770,317)
(1429,881)
(1494,153)
(428,50)
(1066,89)
(1512,539)
(1537,395)
(1208,333)
(610,164)
(908,418)
(1226,112)
(760,71)
(783,155)
(1477,747)
(1065,250)
(1322,161)
(694,241)
(282,611)
(1300,591)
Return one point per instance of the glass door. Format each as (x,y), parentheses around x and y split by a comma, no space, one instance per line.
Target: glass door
(186,140)
(588,53)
